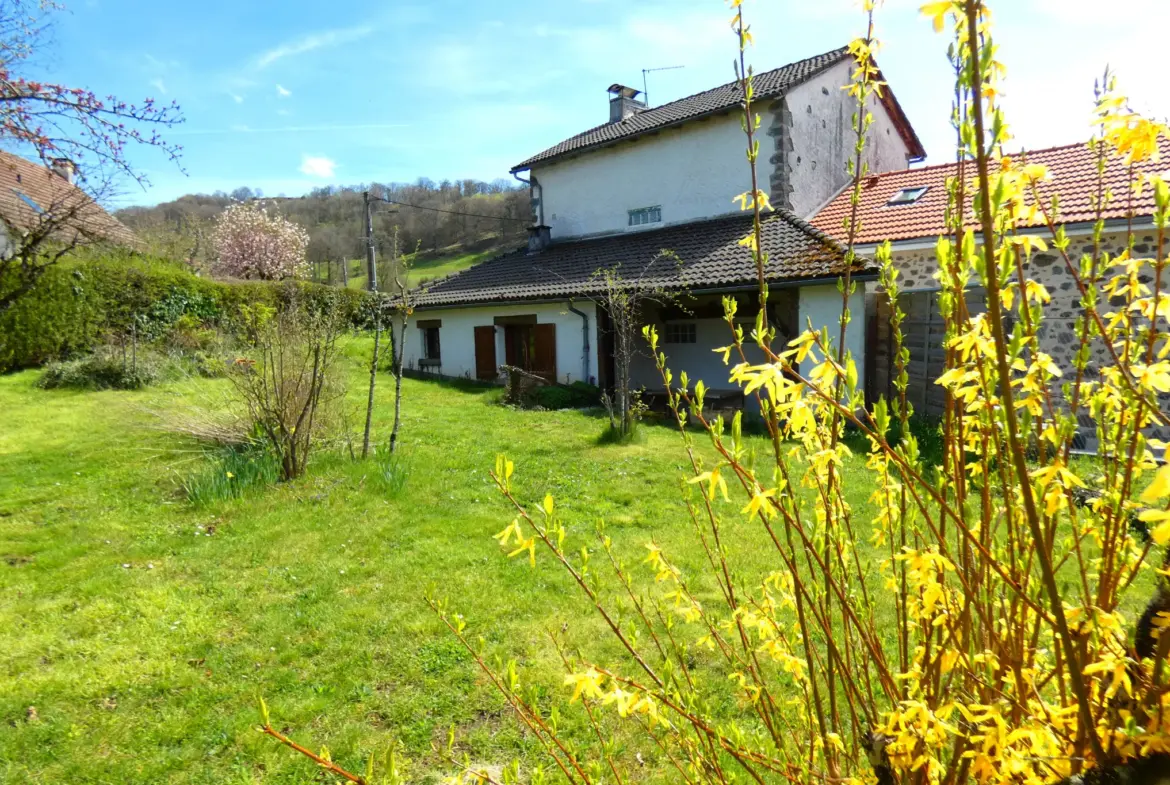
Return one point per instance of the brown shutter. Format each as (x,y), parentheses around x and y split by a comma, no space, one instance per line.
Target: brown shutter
(545,362)
(485,353)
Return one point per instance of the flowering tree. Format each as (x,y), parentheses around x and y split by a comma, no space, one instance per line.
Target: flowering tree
(48,121)
(250,242)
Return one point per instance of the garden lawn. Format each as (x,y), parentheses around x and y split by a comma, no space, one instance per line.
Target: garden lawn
(137,629)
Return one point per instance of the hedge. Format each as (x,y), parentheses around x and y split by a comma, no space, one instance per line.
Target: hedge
(79,301)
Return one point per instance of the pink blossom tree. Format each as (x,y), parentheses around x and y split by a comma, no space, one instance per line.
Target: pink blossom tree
(250,242)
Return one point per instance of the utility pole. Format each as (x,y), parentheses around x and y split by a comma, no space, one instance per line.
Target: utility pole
(371,267)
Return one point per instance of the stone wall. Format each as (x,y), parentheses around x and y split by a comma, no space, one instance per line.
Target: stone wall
(1058,336)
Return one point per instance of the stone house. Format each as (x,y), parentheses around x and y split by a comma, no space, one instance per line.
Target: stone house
(908,208)
(659,178)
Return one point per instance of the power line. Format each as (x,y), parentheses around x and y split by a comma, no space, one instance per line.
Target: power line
(448,212)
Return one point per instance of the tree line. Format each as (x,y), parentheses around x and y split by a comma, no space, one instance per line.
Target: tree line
(429,216)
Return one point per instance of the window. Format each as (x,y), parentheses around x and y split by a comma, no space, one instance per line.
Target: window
(681,332)
(907,195)
(646,215)
(35,207)
(430,343)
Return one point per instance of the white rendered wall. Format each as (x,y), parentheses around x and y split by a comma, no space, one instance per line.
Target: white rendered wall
(824,141)
(820,306)
(693,171)
(457,336)
(696,359)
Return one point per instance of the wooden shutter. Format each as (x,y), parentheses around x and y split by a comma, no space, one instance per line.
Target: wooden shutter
(544,363)
(485,353)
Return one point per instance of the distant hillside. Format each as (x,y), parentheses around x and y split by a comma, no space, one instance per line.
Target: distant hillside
(444,227)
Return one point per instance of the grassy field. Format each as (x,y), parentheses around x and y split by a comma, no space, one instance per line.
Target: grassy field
(137,629)
(427,267)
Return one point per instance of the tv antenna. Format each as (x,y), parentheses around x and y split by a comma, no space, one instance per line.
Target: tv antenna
(645,90)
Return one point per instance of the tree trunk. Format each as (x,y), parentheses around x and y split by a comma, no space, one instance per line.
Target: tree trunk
(373,382)
(396,354)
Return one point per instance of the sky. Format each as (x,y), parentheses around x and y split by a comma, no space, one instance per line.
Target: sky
(292,95)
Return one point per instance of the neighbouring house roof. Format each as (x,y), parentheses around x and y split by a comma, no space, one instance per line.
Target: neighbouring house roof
(1072,173)
(768,85)
(32,195)
(706,255)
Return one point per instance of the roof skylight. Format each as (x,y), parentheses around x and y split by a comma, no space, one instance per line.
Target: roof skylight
(908,195)
(25,198)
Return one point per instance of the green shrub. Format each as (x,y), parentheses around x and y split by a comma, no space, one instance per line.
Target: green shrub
(104,370)
(231,472)
(577,395)
(86,298)
(392,472)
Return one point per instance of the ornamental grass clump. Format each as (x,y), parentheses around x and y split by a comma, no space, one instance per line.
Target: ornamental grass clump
(997,618)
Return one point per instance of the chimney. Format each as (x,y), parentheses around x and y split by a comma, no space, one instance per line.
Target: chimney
(538,238)
(623,102)
(64,168)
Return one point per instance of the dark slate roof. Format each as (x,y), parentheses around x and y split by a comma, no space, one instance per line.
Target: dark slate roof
(768,85)
(708,256)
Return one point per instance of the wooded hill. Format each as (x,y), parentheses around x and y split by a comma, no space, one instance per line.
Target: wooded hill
(444,226)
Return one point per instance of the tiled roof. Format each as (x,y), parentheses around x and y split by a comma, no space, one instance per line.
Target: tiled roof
(768,85)
(1072,171)
(707,255)
(80,217)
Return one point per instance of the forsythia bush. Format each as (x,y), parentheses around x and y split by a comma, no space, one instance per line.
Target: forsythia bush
(997,634)
(250,242)
(984,624)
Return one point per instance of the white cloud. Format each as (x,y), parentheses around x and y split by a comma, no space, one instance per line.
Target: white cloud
(159,84)
(317,166)
(311,42)
(282,91)
(239,99)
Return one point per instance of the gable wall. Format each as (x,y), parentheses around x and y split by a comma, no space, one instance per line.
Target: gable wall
(813,141)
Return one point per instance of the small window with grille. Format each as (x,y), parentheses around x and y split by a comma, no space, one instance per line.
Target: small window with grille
(646,215)
(681,332)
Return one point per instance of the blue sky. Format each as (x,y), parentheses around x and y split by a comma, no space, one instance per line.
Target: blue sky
(286,96)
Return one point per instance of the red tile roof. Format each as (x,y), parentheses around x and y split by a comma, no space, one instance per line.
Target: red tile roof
(55,199)
(1072,173)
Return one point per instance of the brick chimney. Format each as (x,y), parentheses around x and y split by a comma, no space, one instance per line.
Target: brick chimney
(64,168)
(623,102)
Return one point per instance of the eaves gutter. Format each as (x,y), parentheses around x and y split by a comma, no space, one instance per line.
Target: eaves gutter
(554,299)
(1073,229)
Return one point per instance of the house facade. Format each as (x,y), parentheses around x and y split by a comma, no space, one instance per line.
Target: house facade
(661,179)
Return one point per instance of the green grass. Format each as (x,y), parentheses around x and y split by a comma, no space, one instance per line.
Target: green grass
(137,627)
(427,266)
(428,269)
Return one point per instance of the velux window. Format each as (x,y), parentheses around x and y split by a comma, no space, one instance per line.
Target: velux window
(646,215)
(908,195)
(36,208)
(681,332)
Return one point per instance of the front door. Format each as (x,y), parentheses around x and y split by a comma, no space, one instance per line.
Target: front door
(532,347)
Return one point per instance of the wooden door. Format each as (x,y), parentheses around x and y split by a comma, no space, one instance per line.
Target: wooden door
(485,353)
(544,360)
